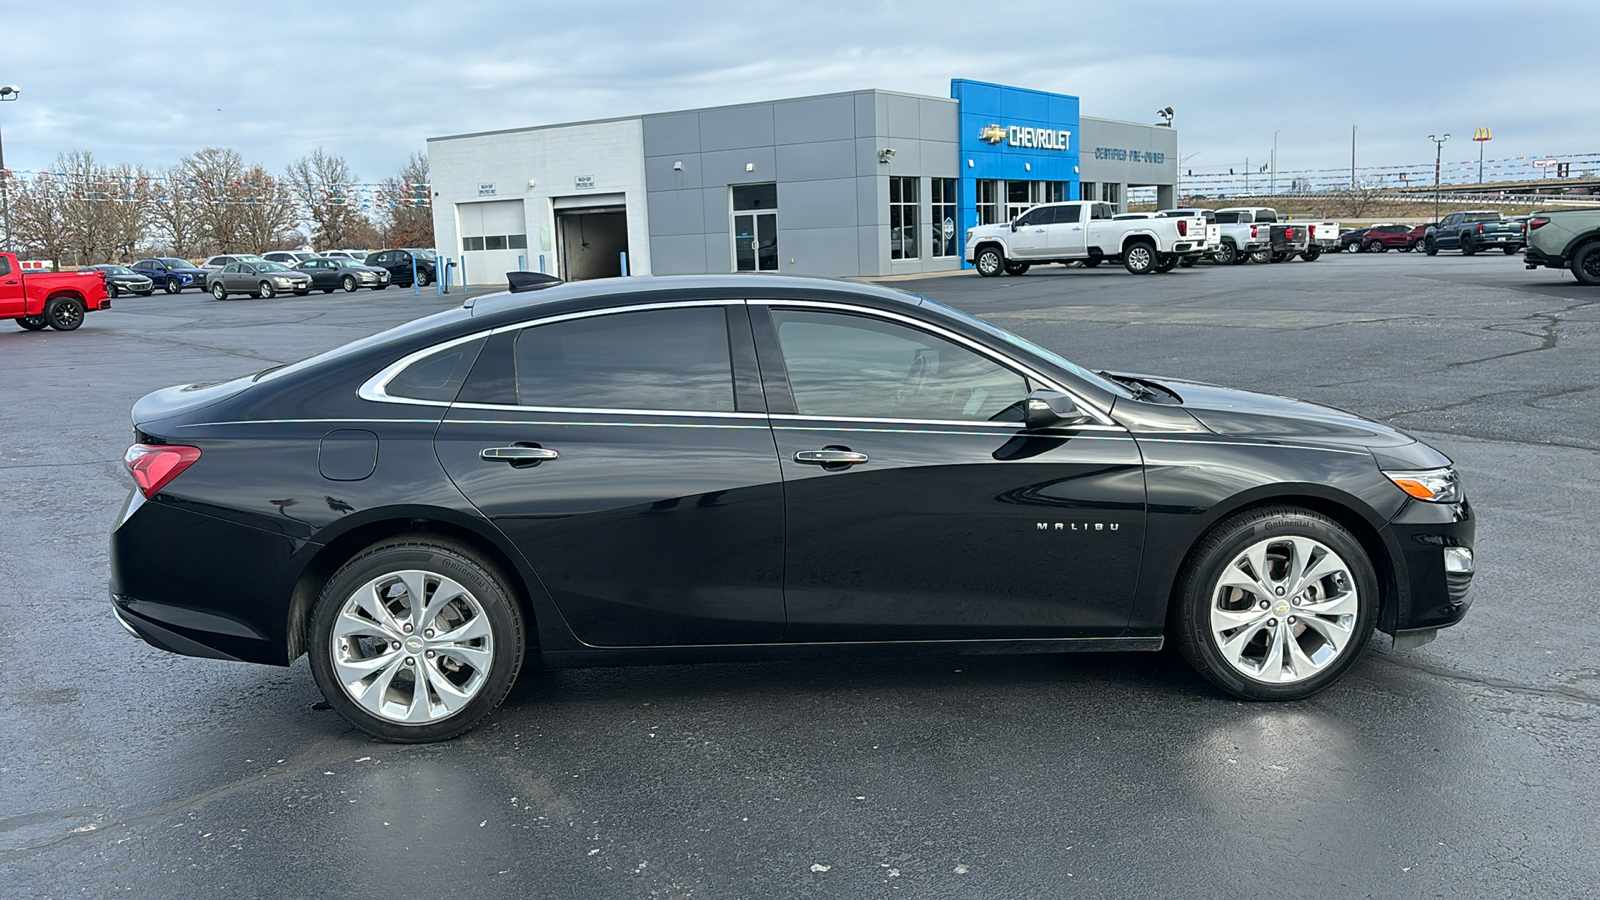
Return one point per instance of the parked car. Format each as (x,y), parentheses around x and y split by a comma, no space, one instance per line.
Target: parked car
(258,279)
(1380,238)
(332,272)
(171,273)
(1472,231)
(1242,237)
(217,263)
(1419,234)
(123,280)
(1569,239)
(38,300)
(1350,239)
(1286,240)
(354,255)
(290,258)
(1083,232)
(398,263)
(499,490)
(1213,231)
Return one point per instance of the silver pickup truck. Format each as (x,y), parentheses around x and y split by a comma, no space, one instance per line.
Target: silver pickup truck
(1566,239)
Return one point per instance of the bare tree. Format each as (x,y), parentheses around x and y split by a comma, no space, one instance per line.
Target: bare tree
(214,184)
(174,214)
(329,198)
(267,217)
(407,219)
(38,218)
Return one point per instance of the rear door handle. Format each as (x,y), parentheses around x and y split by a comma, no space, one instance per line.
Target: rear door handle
(829,457)
(518,454)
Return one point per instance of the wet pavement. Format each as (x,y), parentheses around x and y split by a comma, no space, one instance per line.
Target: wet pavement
(1461,769)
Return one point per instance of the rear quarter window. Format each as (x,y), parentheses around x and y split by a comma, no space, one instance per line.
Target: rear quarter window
(438,376)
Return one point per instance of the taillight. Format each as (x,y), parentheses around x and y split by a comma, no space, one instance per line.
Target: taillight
(1252,231)
(1312,231)
(1288,233)
(153,466)
(1480,228)
(1537,222)
(1183,228)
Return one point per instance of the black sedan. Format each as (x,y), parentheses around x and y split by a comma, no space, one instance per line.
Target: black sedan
(258,279)
(741,467)
(335,272)
(123,280)
(401,263)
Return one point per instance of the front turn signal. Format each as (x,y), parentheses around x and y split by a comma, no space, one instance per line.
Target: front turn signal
(1432,485)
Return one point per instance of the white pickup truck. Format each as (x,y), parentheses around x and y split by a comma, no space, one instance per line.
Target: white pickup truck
(1213,230)
(1086,232)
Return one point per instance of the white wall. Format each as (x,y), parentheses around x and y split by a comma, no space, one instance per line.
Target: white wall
(609,153)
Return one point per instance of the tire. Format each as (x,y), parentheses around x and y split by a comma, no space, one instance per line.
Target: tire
(423,278)
(1012,268)
(1261,256)
(348,630)
(1377,247)
(1224,632)
(172,286)
(111,290)
(327,290)
(1166,262)
(219,292)
(1281,256)
(989,262)
(348,283)
(1585,264)
(64,313)
(1467,248)
(1408,248)
(1226,255)
(1312,253)
(267,291)
(1432,247)
(1092,261)
(33,323)
(1139,258)
(1188,262)
(1510,251)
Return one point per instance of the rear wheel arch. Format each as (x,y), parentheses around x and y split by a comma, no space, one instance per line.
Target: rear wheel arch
(1570,252)
(330,557)
(1344,511)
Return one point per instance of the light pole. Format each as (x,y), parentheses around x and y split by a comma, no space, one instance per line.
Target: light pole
(9,92)
(1274,163)
(1352,158)
(1438,153)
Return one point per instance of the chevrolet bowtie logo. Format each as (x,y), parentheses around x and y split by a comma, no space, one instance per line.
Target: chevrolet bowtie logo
(994,134)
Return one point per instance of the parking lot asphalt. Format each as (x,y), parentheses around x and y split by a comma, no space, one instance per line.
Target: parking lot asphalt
(1462,769)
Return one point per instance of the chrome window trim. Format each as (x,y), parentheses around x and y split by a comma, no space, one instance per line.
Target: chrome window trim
(374,389)
(1101,415)
(981,423)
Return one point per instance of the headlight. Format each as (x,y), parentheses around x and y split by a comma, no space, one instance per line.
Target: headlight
(969,234)
(1432,485)
(285,281)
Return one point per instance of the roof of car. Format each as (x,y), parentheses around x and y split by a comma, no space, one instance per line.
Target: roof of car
(714,286)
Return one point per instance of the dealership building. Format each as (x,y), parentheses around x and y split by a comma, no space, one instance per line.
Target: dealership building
(865,183)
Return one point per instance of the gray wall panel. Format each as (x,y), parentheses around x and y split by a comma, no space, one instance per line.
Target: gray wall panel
(818,119)
(907,159)
(939,120)
(872,200)
(676,212)
(728,166)
(660,176)
(867,114)
(1126,137)
(714,200)
(719,253)
(905,116)
(810,162)
(872,249)
(817,251)
(674,133)
(817,204)
(678,254)
(736,127)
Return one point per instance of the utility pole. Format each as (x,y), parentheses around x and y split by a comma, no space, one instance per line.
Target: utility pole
(1274,163)
(1352,157)
(1438,154)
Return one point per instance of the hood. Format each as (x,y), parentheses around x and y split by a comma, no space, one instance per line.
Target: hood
(192,270)
(1231,411)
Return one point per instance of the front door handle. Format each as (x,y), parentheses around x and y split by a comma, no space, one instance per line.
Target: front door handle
(518,454)
(829,457)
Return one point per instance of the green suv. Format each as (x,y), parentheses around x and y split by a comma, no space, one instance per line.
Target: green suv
(1569,239)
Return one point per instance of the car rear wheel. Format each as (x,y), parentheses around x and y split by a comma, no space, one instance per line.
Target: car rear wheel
(1276,604)
(990,262)
(1510,249)
(33,323)
(219,292)
(172,286)
(423,278)
(1261,256)
(1226,255)
(1312,253)
(266,291)
(1017,268)
(415,640)
(1166,262)
(327,290)
(1188,262)
(1139,258)
(64,313)
(1467,247)
(1586,264)
(1092,261)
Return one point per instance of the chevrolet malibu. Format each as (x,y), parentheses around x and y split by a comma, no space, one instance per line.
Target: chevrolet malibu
(738,467)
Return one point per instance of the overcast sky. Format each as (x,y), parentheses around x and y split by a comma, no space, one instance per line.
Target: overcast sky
(149,83)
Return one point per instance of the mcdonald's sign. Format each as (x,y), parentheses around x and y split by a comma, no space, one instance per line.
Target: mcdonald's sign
(1482,134)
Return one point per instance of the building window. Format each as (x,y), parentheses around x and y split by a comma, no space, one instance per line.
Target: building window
(903,218)
(944,217)
(472,243)
(495,242)
(988,202)
(1110,192)
(1055,192)
(1086,190)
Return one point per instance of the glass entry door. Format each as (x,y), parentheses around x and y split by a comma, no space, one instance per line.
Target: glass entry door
(755,227)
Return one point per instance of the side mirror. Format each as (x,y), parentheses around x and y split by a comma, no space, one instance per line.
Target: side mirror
(1045,409)
(1016,224)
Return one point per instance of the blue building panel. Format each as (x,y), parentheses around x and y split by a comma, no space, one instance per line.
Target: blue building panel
(1013,134)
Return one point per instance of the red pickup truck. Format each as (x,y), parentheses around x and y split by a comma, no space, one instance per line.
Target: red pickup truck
(56,299)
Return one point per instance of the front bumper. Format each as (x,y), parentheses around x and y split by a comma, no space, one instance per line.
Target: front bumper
(1431,591)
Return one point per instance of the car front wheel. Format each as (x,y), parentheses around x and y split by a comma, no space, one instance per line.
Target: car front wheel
(990,262)
(1276,604)
(415,640)
(423,278)
(266,291)
(1225,254)
(172,286)
(219,292)
(348,282)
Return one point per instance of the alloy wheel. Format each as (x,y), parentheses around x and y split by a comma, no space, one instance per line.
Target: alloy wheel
(1284,610)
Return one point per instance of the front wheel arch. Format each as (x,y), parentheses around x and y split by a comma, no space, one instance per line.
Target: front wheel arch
(326,559)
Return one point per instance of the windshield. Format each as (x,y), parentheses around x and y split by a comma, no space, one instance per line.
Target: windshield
(1028,346)
(271,267)
(171,263)
(423,254)
(115,270)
